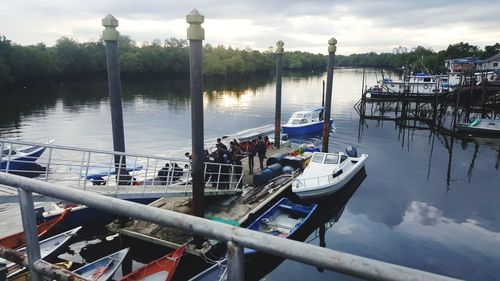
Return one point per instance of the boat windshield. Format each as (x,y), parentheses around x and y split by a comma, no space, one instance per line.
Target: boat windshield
(332,159)
(297,115)
(318,157)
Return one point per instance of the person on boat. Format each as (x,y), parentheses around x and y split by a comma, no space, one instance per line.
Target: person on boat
(261,149)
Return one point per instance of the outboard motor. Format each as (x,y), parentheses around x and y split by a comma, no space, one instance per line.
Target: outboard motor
(351,151)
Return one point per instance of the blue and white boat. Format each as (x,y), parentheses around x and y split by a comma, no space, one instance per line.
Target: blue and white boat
(15,159)
(103,268)
(283,219)
(328,172)
(305,122)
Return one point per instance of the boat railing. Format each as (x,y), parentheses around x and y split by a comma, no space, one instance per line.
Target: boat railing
(237,238)
(112,172)
(316,181)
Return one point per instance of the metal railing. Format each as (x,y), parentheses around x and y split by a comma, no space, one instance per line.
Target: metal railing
(237,238)
(96,170)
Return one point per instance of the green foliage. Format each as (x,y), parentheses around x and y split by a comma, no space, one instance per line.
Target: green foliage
(70,59)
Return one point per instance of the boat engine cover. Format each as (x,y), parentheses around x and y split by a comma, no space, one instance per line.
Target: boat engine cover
(351,151)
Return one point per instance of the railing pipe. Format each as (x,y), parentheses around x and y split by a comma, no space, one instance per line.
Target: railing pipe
(305,253)
(235,262)
(30,231)
(95,151)
(40,266)
(48,165)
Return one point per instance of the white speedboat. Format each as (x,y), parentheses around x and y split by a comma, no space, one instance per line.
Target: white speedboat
(327,173)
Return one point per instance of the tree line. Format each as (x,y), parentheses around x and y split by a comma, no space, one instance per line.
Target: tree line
(69,59)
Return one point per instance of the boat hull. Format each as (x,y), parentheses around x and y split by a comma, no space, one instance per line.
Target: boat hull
(162,269)
(479,130)
(295,130)
(328,189)
(104,268)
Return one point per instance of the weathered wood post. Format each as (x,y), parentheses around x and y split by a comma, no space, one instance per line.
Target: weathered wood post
(279,73)
(328,99)
(196,35)
(110,35)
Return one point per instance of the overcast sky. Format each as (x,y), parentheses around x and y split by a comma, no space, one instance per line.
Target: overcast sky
(359,26)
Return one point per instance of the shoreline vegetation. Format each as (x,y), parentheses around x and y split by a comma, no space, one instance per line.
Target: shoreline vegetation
(70,60)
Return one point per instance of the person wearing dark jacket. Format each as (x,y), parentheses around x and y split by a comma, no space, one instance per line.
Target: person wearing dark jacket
(260,146)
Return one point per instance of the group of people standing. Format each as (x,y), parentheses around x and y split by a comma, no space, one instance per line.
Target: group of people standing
(237,151)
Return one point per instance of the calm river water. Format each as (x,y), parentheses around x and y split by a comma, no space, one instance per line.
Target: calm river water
(420,205)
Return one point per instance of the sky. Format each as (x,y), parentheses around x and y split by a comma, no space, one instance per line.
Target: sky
(359,26)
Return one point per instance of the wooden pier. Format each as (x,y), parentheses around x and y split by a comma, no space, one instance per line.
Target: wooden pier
(233,209)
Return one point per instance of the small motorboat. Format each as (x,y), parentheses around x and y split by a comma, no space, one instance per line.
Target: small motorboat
(480,127)
(18,240)
(283,219)
(162,269)
(305,122)
(327,173)
(103,268)
(48,247)
(18,159)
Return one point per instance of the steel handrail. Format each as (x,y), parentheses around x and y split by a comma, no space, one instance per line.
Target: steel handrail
(236,237)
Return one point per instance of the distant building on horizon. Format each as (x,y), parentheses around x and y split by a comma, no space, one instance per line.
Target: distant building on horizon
(399,50)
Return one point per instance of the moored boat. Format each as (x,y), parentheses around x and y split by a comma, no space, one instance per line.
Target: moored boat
(327,173)
(158,270)
(18,240)
(48,247)
(480,127)
(305,122)
(103,268)
(283,219)
(17,159)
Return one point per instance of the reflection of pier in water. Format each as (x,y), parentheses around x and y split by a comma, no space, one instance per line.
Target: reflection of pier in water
(436,115)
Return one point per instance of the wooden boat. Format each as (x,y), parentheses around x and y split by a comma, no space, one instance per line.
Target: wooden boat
(18,240)
(103,268)
(158,270)
(16,159)
(480,127)
(283,219)
(305,122)
(48,247)
(327,173)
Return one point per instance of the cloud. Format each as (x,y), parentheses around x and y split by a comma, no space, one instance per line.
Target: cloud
(360,26)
